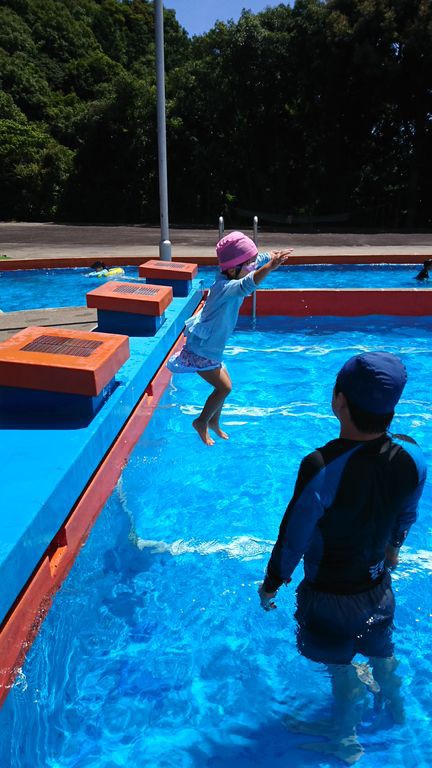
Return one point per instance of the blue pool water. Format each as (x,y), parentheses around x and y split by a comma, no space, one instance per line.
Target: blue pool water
(42,288)
(34,289)
(158,655)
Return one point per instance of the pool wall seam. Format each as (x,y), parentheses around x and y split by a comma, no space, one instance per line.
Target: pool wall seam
(23,621)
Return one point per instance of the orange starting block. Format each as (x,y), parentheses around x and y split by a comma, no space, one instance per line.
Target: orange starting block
(55,369)
(137,309)
(177,274)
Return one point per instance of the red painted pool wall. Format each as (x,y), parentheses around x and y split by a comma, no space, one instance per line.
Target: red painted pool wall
(343,303)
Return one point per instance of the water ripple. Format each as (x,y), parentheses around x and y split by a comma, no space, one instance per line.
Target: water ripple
(240,547)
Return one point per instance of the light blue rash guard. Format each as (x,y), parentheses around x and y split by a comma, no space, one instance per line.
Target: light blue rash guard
(208,331)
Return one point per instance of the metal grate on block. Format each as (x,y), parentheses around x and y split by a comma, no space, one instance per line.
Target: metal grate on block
(170,265)
(140,290)
(57,345)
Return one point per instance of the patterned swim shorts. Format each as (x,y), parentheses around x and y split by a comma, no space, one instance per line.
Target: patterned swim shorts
(186,361)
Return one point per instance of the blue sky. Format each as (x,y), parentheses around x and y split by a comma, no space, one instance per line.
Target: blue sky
(198,16)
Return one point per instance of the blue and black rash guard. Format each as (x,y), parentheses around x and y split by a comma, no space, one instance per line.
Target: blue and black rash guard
(350,500)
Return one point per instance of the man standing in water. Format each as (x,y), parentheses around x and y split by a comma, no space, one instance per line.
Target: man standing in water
(353,504)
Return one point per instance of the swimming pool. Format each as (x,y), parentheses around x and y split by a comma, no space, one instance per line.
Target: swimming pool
(35,288)
(158,654)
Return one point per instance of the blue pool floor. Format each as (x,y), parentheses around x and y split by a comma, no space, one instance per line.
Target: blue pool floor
(156,652)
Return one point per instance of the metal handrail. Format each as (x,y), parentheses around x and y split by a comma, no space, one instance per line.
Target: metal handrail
(255,239)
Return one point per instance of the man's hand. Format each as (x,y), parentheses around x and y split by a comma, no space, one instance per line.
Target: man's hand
(391,556)
(266,599)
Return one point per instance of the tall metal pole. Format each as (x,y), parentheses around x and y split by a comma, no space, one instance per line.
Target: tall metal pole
(164,244)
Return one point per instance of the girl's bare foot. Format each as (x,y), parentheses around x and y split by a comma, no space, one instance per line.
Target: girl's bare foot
(214,425)
(203,432)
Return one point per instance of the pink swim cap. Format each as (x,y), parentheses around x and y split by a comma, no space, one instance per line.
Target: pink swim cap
(235,249)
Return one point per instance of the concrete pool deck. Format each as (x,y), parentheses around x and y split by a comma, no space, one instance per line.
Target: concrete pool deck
(77,318)
(54,242)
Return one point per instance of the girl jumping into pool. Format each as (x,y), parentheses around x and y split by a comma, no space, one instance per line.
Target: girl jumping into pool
(242,269)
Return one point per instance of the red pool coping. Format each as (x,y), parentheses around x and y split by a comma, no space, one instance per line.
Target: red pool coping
(63,262)
(23,621)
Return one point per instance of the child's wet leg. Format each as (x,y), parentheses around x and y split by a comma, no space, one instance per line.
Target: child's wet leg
(209,416)
(215,426)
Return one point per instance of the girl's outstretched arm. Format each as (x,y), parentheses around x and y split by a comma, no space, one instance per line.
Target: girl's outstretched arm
(277,258)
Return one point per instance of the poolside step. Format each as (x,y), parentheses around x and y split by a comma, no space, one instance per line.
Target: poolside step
(58,371)
(137,309)
(177,274)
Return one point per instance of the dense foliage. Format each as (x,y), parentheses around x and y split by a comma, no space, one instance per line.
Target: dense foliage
(319,109)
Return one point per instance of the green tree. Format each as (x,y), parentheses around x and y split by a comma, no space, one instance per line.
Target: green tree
(319,108)
(33,171)
(114,176)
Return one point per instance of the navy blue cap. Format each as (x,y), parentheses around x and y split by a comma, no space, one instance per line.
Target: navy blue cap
(373,381)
